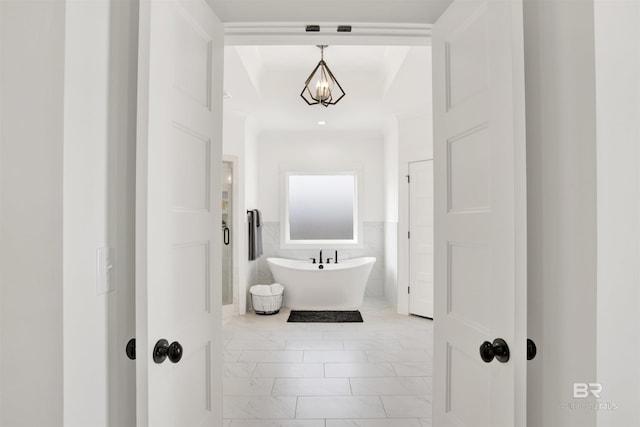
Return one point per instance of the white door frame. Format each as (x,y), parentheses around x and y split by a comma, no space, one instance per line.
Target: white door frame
(277,34)
(403,229)
(407,258)
(266,33)
(238,268)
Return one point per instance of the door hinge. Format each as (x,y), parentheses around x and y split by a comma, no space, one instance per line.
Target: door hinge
(408,289)
(408,178)
(408,234)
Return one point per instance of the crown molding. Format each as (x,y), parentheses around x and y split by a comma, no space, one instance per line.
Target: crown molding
(260,34)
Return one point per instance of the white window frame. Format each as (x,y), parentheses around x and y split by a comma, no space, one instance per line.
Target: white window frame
(285,233)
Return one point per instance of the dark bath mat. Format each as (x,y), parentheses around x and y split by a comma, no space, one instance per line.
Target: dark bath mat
(326,316)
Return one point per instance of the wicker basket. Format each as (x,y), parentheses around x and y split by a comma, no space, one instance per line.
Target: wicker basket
(266,304)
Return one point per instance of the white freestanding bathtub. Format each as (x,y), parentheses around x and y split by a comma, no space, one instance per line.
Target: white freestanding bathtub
(334,287)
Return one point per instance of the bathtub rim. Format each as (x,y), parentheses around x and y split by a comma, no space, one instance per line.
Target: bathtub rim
(304,265)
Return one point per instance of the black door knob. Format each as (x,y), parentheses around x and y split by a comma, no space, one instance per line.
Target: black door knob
(531,349)
(131,349)
(498,349)
(163,349)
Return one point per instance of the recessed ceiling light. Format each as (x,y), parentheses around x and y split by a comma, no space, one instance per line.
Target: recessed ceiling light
(321,123)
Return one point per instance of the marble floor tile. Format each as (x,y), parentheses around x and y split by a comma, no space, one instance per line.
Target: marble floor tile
(407,406)
(277,423)
(413,369)
(398,355)
(238,370)
(231,355)
(350,334)
(247,386)
(340,407)
(393,386)
(302,334)
(421,343)
(289,370)
(272,356)
(311,387)
(371,374)
(349,370)
(255,344)
(336,356)
(429,381)
(386,422)
(368,344)
(258,407)
(314,345)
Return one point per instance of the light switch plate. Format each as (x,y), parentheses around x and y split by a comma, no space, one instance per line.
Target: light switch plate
(105,282)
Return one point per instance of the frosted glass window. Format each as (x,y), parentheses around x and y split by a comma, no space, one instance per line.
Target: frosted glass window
(320,209)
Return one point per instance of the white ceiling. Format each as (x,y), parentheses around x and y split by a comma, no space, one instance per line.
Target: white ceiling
(303,58)
(344,11)
(380,82)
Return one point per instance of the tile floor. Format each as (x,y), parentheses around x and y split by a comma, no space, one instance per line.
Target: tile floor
(372,374)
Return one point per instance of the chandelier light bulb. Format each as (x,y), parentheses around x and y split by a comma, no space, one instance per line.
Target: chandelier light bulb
(323,92)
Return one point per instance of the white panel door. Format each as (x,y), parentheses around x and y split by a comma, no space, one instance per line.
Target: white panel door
(480,213)
(421,238)
(178,213)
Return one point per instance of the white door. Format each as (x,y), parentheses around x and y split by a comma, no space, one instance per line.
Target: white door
(421,238)
(480,216)
(178,213)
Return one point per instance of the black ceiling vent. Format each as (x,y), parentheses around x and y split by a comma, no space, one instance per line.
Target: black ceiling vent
(313,28)
(344,28)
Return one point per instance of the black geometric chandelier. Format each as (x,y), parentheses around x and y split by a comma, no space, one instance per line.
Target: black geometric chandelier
(322,87)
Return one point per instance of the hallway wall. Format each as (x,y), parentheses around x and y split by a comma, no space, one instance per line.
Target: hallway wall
(392,210)
(583,115)
(564,281)
(31,279)
(99,211)
(617,54)
(67,182)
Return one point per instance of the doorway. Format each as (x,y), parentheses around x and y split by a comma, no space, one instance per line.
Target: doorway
(227,227)
(421,238)
(263,374)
